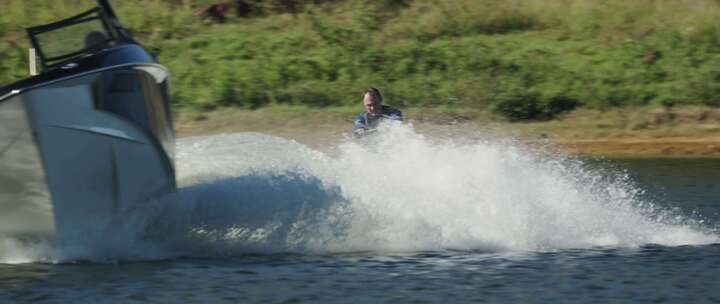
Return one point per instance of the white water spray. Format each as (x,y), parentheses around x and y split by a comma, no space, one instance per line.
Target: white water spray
(399,191)
(395,191)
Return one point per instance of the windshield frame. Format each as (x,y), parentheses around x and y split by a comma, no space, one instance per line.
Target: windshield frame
(46,62)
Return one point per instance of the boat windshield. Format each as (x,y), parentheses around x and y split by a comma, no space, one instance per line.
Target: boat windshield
(58,42)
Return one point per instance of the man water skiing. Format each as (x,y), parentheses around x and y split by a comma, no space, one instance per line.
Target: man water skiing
(374,112)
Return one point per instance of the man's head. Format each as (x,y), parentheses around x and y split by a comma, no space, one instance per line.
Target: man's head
(95,40)
(372,101)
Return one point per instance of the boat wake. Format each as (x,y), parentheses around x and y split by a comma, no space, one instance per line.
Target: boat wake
(396,191)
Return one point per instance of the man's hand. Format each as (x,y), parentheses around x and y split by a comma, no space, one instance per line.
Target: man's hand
(359,132)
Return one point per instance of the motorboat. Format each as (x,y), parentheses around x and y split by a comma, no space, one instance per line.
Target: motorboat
(89,137)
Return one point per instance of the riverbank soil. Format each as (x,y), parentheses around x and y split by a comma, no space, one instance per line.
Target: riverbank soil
(645,131)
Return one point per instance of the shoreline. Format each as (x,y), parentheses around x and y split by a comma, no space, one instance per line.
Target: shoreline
(640,147)
(635,132)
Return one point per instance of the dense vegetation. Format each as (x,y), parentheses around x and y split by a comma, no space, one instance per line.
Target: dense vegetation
(522,59)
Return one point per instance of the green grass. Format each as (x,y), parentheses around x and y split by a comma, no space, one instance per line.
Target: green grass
(525,60)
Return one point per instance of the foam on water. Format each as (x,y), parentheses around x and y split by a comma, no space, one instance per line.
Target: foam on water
(396,191)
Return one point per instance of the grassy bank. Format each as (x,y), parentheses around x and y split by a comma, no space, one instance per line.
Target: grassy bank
(524,60)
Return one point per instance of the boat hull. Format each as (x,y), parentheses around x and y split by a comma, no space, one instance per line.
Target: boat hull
(79,153)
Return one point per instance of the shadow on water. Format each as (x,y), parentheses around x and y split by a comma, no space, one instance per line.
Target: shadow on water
(252,213)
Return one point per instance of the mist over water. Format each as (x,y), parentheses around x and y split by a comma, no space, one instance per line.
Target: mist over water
(395,191)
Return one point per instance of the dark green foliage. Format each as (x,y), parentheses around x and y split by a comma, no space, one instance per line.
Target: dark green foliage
(705,87)
(516,103)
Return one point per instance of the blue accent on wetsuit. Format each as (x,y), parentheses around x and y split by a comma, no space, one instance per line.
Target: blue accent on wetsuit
(367,121)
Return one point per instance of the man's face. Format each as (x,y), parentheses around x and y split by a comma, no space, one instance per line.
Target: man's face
(372,105)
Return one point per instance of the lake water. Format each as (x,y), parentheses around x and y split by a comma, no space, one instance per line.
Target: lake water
(398,218)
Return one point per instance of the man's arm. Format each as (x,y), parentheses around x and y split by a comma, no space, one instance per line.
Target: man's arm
(359,126)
